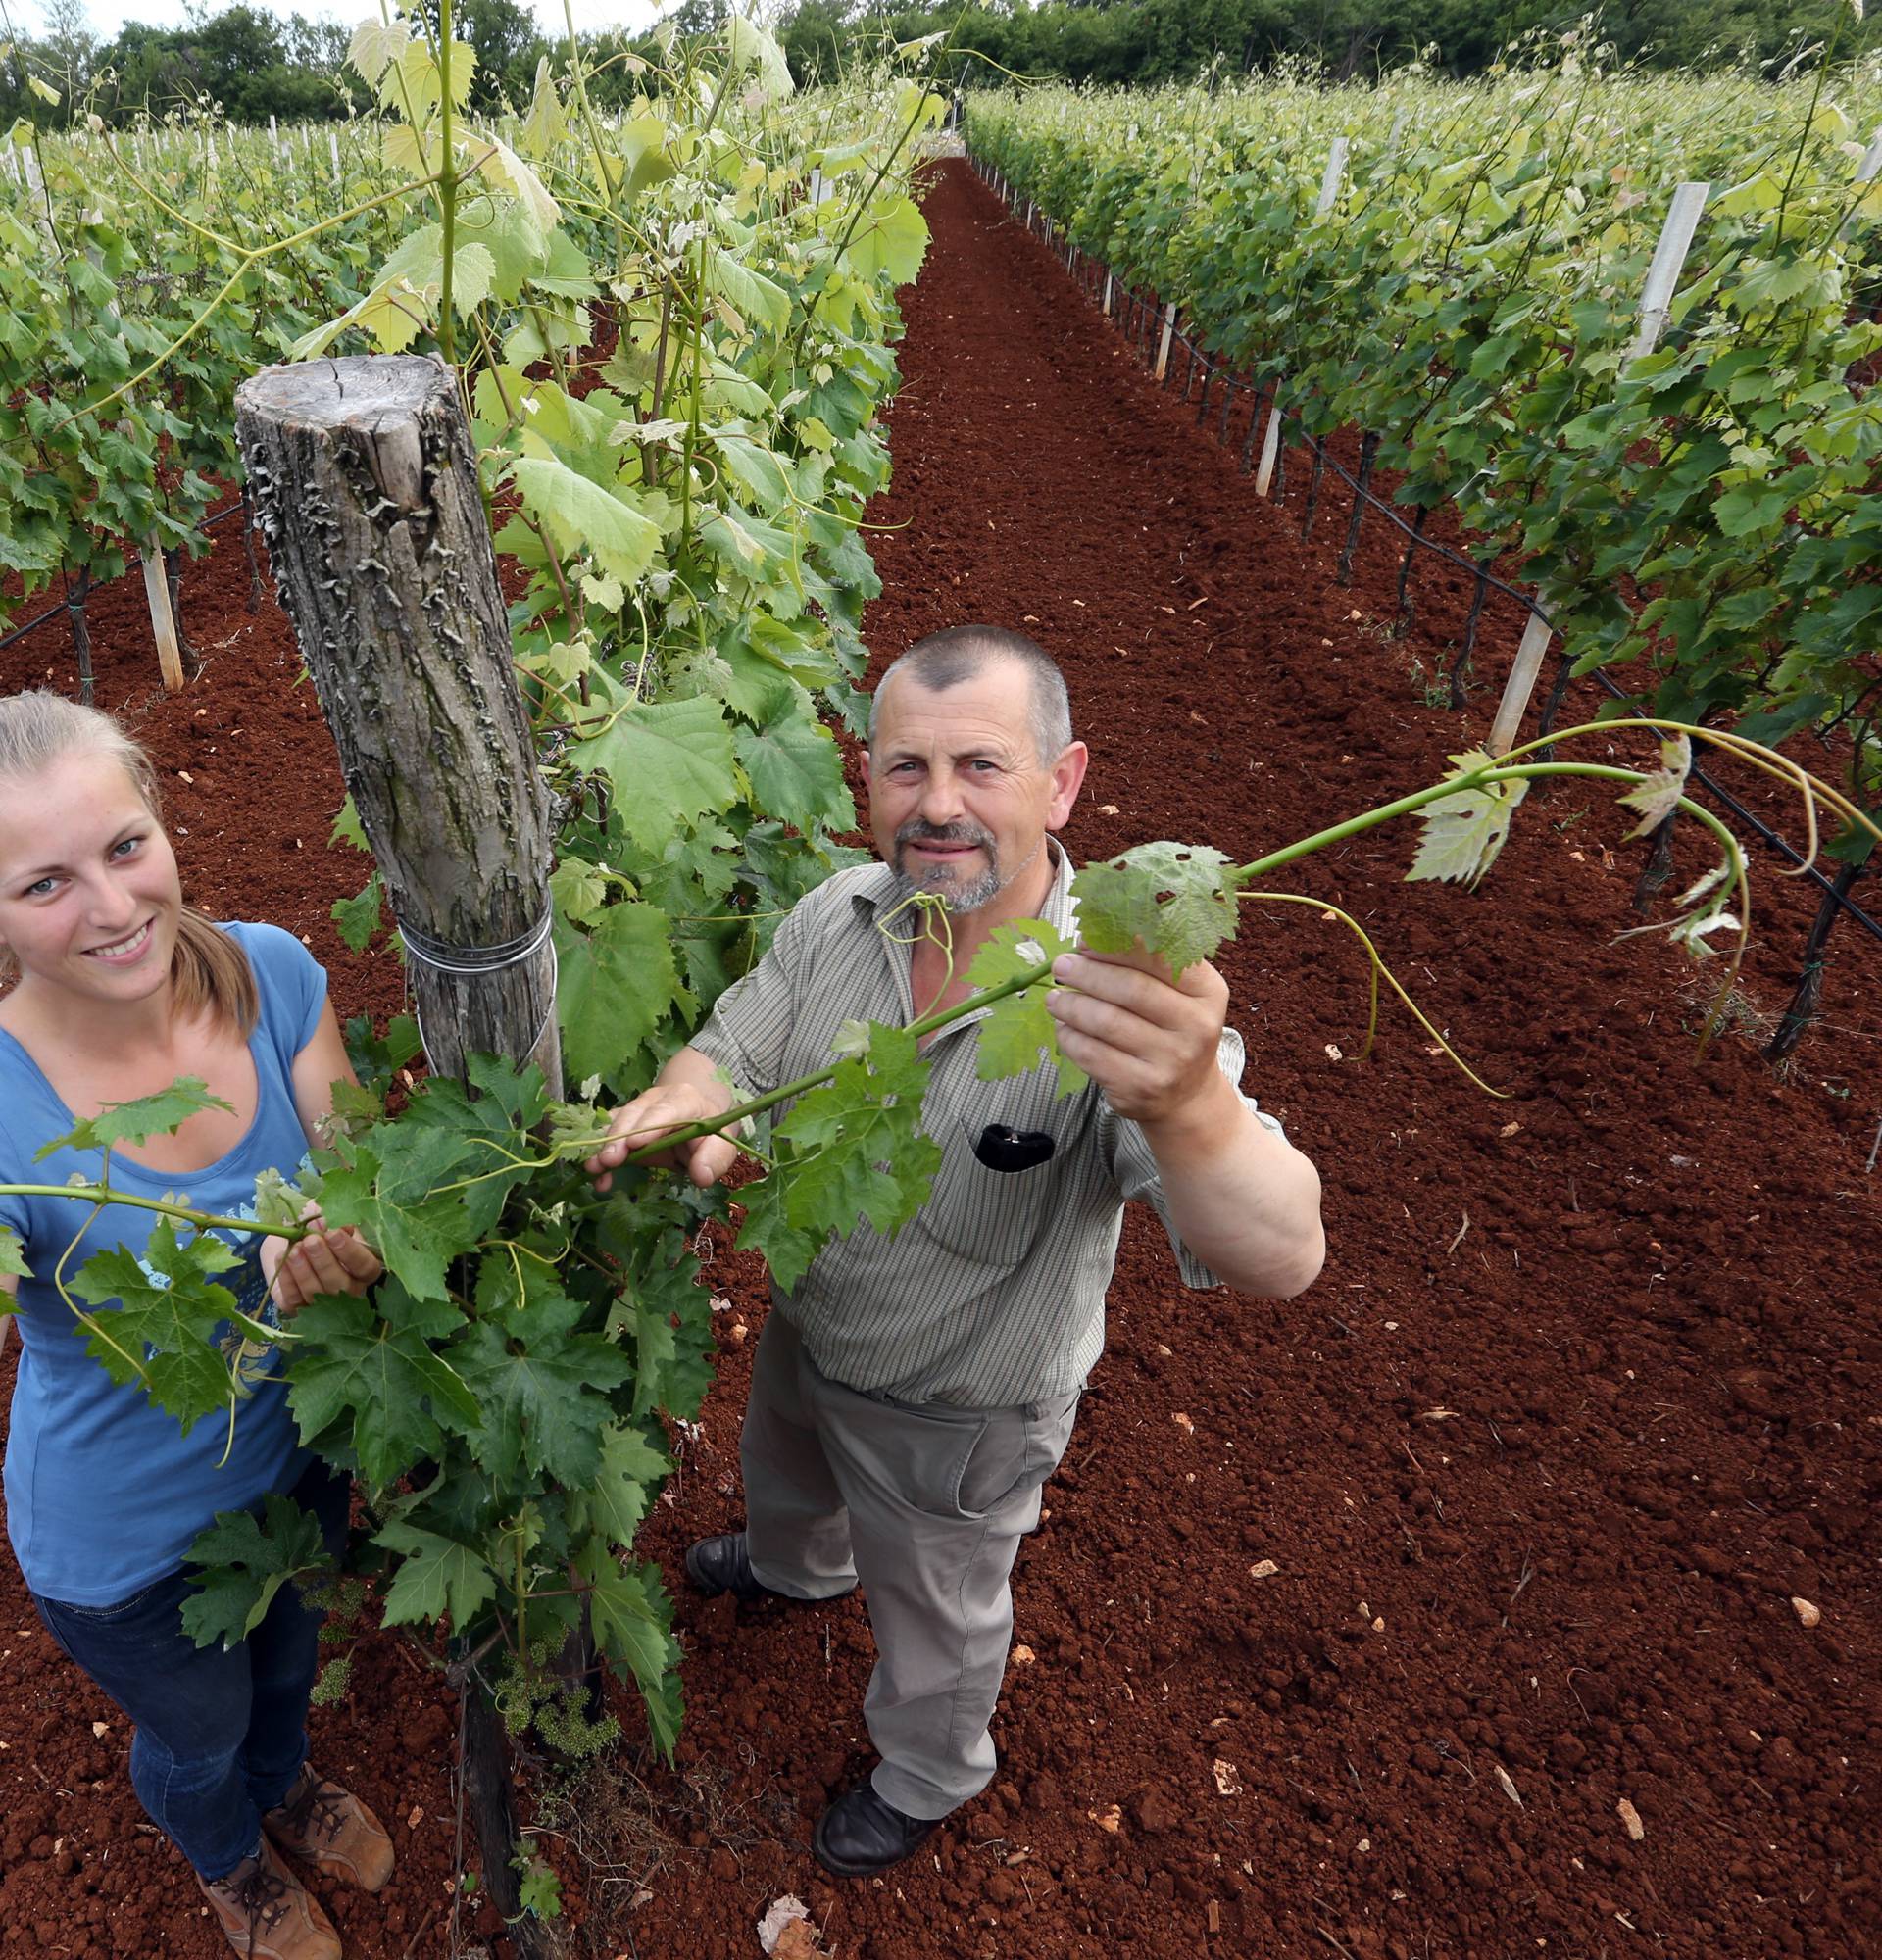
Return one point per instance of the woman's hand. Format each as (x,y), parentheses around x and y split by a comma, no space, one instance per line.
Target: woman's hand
(324,1261)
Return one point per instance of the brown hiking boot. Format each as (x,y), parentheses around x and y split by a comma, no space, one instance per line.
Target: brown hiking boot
(333,1831)
(268,1914)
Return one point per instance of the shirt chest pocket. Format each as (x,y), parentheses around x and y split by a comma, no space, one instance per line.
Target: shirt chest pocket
(1004,1154)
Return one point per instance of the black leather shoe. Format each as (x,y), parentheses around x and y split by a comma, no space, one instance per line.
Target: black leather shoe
(722,1564)
(859,1835)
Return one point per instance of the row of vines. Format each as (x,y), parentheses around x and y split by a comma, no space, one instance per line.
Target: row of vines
(1463,286)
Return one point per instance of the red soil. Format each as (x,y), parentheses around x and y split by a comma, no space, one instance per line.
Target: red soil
(1538,1502)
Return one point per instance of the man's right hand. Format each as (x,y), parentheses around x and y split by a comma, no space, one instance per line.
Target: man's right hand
(665,1108)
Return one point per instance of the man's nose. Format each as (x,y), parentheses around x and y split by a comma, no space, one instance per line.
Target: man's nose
(941,800)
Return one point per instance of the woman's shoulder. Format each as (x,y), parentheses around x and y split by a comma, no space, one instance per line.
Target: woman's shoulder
(290,984)
(272,950)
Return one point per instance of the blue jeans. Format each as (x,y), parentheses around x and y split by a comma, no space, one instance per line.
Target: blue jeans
(221,1735)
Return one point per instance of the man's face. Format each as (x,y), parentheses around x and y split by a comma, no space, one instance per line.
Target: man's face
(960,800)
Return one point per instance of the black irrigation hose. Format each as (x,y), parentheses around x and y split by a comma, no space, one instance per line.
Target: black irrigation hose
(1362,493)
(47,617)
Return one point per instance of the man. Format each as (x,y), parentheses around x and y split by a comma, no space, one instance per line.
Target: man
(911,1398)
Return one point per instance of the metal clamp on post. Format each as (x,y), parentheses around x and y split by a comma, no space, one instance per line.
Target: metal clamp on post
(474,962)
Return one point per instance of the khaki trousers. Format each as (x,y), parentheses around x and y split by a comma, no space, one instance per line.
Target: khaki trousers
(926,1506)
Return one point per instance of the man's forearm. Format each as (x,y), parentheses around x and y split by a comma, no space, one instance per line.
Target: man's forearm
(1242,1198)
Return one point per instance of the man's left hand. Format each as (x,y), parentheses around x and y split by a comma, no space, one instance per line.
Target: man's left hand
(1148,1041)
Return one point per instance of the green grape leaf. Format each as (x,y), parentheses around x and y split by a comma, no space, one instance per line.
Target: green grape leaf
(438,1576)
(347,828)
(581,514)
(748,292)
(366,1372)
(538,1887)
(1175,899)
(632,1619)
(13,1259)
(430,1184)
(1657,797)
(166,1321)
(795,766)
(670,1317)
(169,1109)
(375,1058)
(890,242)
(360,917)
(247,1560)
(542,1387)
(785,1247)
(277,1201)
(631,1472)
(748,45)
(670,763)
(1018,1030)
(616,986)
(850,1149)
(578,888)
(1465,831)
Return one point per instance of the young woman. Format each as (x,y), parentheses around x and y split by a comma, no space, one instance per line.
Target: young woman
(115,989)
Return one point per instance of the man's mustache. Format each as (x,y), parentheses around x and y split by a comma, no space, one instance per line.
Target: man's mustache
(919,831)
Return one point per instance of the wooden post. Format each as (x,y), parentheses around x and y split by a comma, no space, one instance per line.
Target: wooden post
(364,488)
(1656,302)
(363,477)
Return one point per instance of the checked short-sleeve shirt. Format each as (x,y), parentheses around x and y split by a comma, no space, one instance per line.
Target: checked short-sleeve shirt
(994,1294)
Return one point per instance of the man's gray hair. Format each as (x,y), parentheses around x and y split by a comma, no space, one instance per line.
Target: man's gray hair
(946,658)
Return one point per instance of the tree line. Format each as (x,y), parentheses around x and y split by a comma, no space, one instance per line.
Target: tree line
(253,65)
(1145,42)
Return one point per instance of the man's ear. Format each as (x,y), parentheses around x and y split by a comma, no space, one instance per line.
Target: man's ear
(1068,778)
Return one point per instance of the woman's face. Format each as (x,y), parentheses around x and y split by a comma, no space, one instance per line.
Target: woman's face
(89,896)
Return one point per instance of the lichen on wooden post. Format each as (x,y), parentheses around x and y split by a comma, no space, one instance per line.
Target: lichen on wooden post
(364,487)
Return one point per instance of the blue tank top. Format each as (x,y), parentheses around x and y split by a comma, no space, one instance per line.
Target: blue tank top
(104,1492)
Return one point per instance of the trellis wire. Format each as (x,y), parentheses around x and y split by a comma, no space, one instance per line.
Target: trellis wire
(53,612)
(1486,581)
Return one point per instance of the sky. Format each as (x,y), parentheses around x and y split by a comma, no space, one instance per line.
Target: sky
(105,17)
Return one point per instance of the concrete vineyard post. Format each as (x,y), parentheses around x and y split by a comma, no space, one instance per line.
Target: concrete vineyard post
(1656,303)
(1669,255)
(1271,436)
(1163,345)
(334,150)
(1105,309)
(162,619)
